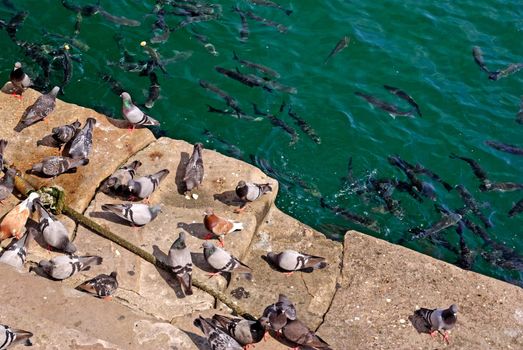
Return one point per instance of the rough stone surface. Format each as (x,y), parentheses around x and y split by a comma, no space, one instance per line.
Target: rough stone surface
(382,285)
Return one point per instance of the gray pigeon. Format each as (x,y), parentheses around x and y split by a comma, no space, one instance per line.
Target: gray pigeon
(16,253)
(19,78)
(218,339)
(291,260)
(83,141)
(55,165)
(64,266)
(245,332)
(249,192)
(54,232)
(121,177)
(298,333)
(221,260)
(133,114)
(60,135)
(7,183)
(180,261)
(137,214)
(10,336)
(276,316)
(102,286)
(194,170)
(42,107)
(144,186)
(438,320)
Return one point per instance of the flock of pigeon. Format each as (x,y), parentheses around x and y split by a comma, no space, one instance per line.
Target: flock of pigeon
(222,332)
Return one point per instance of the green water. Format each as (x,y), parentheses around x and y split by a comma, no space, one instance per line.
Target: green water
(422,47)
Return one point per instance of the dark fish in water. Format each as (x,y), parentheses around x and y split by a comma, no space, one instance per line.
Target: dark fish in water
(257,66)
(90,10)
(402,165)
(14,23)
(478,58)
(516,209)
(466,258)
(155,57)
(161,25)
(229,100)
(244,30)
(519,118)
(387,107)
(116,87)
(194,9)
(446,221)
(154,90)
(39,56)
(362,220)
(403,95)
(503,257)
(269,3)
(404,186)
(274,85)
(246,79)
(472,204)
(8,4)
(500,186)
(420,169)
(80,45)
(511,69)
(281,28)
(67,64)
(384,188)
(196,19)
(304,126)
(504,147)
(343,43)
(236,114)
(278,122)
(476,229)
(476,168)
(230,149)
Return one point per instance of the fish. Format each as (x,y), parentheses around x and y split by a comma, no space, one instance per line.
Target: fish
(67,64)
(505,147)
(304,126)
(500,186)
(446,221)
(516,209)
(154,90)
(343,43)
(269,3)
(511,69)
(278,122)
(247,79)
(280,27)
(39,56)
(274,85)
(162,25)
(519,117)
(116,87)
(229,100)
(402,165)
(259,67)
(403,95)
(471,203)
(194,9)
(387,107)
(244,29)
(14,23)
(478,58)
(362,220)
(476,168)
(196,19)
(230,149)
(155,58)
(90,10)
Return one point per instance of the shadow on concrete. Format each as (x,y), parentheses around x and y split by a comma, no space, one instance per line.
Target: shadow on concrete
(228,198)
(197,230)
(180,172)
(168,277)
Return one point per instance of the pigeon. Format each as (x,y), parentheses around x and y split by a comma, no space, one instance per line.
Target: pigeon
(10,336)
(276,316)
(3,145)
(438,320)
(64,266)
(144,186)
(121,177)
(14,222)
(102,286)
(291,260)
(218,339)
(42,107)
(7,183)
(60,135)
(133,114)
(194,170)
(221,260)
(219,226)
(19,78)
(249,192)
(180,261)
(245,332)
(54,232)
(137,214)
(83,141)
(16,253)
(297,332)
(56,165)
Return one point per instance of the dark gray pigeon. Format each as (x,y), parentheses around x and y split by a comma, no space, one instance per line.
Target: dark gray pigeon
(194,170)
(16,253)
(10,336)
(298,333)
(42,107)
(19,78)
(55,165)
(249,192)
(102,286)
(276,316)
(437,320)
(133,114)
(180,261)
(245,332)
(144,186)
(221,260)
(291,260)
(121,177)
(137,214)
(64,266)
(83,141)
(218,339)
(54,232)
(60,135)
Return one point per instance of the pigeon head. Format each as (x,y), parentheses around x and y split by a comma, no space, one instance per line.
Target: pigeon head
(180,242)
(454,308)
(198,146)
(46,266)
(133,187)
(125,96)
(241,183)
(113,274)
(18,65)
(208,211)
(155,210)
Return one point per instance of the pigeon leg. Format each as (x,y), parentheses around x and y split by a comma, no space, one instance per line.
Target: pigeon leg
(107,298)
(211,275)
(288,273)
(18,96)
(147,200)
(221,242)
(241,208)
(445,336)
(130,128)
(433,334)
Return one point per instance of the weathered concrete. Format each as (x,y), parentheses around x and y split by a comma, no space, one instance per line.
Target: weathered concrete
(382,285)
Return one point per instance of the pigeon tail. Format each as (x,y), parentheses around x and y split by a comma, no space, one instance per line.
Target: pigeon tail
(236,226)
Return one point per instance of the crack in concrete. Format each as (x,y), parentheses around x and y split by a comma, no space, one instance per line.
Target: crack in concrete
(307,288)
(135,308)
